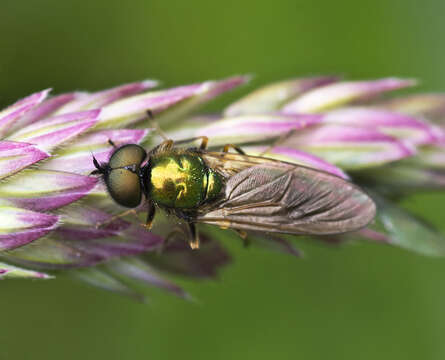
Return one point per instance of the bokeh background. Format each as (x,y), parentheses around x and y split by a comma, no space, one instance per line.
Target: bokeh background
(362,301)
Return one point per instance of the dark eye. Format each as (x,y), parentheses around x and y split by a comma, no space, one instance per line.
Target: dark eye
(127,155)
(124,187)
(122,182)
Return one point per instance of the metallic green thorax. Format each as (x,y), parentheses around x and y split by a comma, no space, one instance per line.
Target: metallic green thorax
(182,180)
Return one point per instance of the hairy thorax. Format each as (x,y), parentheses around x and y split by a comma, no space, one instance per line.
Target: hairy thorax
(182,180)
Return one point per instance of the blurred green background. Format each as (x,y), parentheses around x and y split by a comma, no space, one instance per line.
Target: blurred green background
(362,301)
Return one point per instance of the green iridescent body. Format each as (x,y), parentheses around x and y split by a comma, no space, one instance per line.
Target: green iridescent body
(182,180)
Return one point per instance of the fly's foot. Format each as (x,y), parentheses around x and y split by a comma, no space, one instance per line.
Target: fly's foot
(194,243)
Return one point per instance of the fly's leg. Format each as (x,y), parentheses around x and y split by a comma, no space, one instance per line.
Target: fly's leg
(194,236)
(204,142)
(148,224)
(151,211)
(115,217)
(163,146)
(234,147)
(278,141)
(202,146)
(168,144)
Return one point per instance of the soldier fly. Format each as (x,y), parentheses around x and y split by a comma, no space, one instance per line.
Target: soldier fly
(233,190)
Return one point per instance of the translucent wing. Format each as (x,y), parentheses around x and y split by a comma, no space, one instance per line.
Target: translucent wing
(274,196)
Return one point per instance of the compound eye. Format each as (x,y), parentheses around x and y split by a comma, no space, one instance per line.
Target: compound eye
(127,155)
(124,187)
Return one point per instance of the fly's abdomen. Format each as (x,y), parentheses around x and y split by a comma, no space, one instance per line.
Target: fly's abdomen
(181,181)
